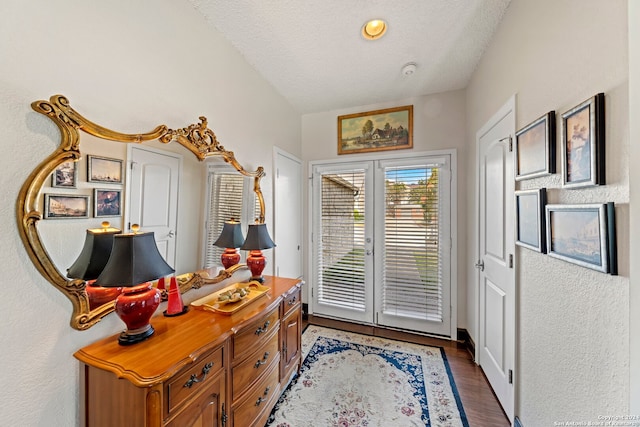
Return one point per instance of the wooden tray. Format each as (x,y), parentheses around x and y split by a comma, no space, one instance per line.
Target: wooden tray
(210,302)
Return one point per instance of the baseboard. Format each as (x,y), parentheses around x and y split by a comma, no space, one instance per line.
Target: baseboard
(517,423)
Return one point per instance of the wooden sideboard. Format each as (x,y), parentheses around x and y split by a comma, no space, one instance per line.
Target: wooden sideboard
(198,369)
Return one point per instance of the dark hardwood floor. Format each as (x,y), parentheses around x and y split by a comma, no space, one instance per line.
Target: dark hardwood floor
(479,402)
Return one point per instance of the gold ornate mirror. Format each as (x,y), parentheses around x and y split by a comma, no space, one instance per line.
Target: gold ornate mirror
(197,138)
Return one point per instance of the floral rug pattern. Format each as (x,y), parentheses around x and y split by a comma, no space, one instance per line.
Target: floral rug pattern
(353,380)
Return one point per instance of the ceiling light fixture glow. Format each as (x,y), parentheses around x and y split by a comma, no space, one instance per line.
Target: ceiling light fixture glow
(374,29)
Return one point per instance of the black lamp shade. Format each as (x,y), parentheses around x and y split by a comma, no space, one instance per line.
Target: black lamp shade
(258,238)
(231,236)
(135,259)
(94,255)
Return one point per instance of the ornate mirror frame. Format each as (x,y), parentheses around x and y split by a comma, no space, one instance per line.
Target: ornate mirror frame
(197,138)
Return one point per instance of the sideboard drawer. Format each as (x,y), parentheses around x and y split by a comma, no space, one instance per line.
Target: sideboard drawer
(255,334)
(291,301)
(260,398)
(193,378)
(255,365)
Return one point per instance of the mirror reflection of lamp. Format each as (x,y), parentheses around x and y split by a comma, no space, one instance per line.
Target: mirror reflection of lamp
(134,262)
(91,261)
(230,239)
(257,239)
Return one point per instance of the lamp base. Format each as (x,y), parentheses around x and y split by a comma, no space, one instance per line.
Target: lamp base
(229,257)
(256,263)
(135,306)
(132,337)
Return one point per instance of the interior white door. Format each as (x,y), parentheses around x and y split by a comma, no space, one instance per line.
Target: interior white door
(288,215)
(152,196)
(496,349)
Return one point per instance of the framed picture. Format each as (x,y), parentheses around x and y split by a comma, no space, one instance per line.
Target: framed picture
(535,148)
(65,175)
(583,144)
(107,203)
(583,235)
(390,129)
(66,206)
(530,221)
(103,169)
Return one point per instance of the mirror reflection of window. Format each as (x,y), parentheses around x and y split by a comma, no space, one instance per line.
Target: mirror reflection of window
(229,195)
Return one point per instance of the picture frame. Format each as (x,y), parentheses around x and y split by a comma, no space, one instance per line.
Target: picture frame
(104,170)
(530,219)
(583,144)
(535,148)
(107,202)
(584,235)
(62,206)
(379,130)
(65,175)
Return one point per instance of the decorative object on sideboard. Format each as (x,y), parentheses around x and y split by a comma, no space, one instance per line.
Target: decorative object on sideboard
(230,239)
(175,307)
(134,262)
(257,239)
(92,260)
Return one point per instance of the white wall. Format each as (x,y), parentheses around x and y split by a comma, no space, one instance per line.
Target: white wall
(129,66)
(438,123)
(573,345)
(634,214)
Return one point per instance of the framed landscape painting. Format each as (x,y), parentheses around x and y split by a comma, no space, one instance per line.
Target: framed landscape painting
(535,148)
(380,130)
(583,144)
(104,169)
(583,235)
(65,175)
(66,206)
(530,221)
(107,203)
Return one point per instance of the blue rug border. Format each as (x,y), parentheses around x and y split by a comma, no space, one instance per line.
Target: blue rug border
(452,383)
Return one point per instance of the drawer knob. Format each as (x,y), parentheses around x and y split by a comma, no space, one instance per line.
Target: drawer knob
(292,301)
(263,398)
(263,361)
(263,328)
(194,378)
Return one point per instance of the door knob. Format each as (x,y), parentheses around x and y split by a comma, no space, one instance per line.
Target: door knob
(171,233)
(480,265)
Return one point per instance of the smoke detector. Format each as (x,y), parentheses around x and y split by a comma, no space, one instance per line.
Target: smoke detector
(409,68)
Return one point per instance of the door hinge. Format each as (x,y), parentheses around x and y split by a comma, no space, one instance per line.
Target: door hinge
(508,138)
(510,260)
(510,376)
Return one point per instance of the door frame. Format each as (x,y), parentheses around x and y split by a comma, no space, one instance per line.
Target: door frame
(504,110)
(453,153)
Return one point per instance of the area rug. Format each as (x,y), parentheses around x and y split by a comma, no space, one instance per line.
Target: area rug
(353,380)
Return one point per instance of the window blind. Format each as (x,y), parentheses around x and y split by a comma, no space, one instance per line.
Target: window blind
(225,202)
(412,271)
(341,272)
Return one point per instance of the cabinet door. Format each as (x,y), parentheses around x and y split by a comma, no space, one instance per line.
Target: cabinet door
(208,409)
(291,343)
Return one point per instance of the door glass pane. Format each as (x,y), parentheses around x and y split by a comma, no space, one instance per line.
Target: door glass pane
(341,246)
(412,270)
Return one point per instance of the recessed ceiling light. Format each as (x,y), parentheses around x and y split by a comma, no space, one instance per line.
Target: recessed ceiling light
(374,29)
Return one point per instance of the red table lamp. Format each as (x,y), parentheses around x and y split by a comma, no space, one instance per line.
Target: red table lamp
(257,239)
(134,262)
(230,238)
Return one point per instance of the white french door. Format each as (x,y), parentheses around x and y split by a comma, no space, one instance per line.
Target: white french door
(382,242)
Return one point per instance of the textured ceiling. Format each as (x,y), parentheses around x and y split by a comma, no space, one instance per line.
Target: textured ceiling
(312,52)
